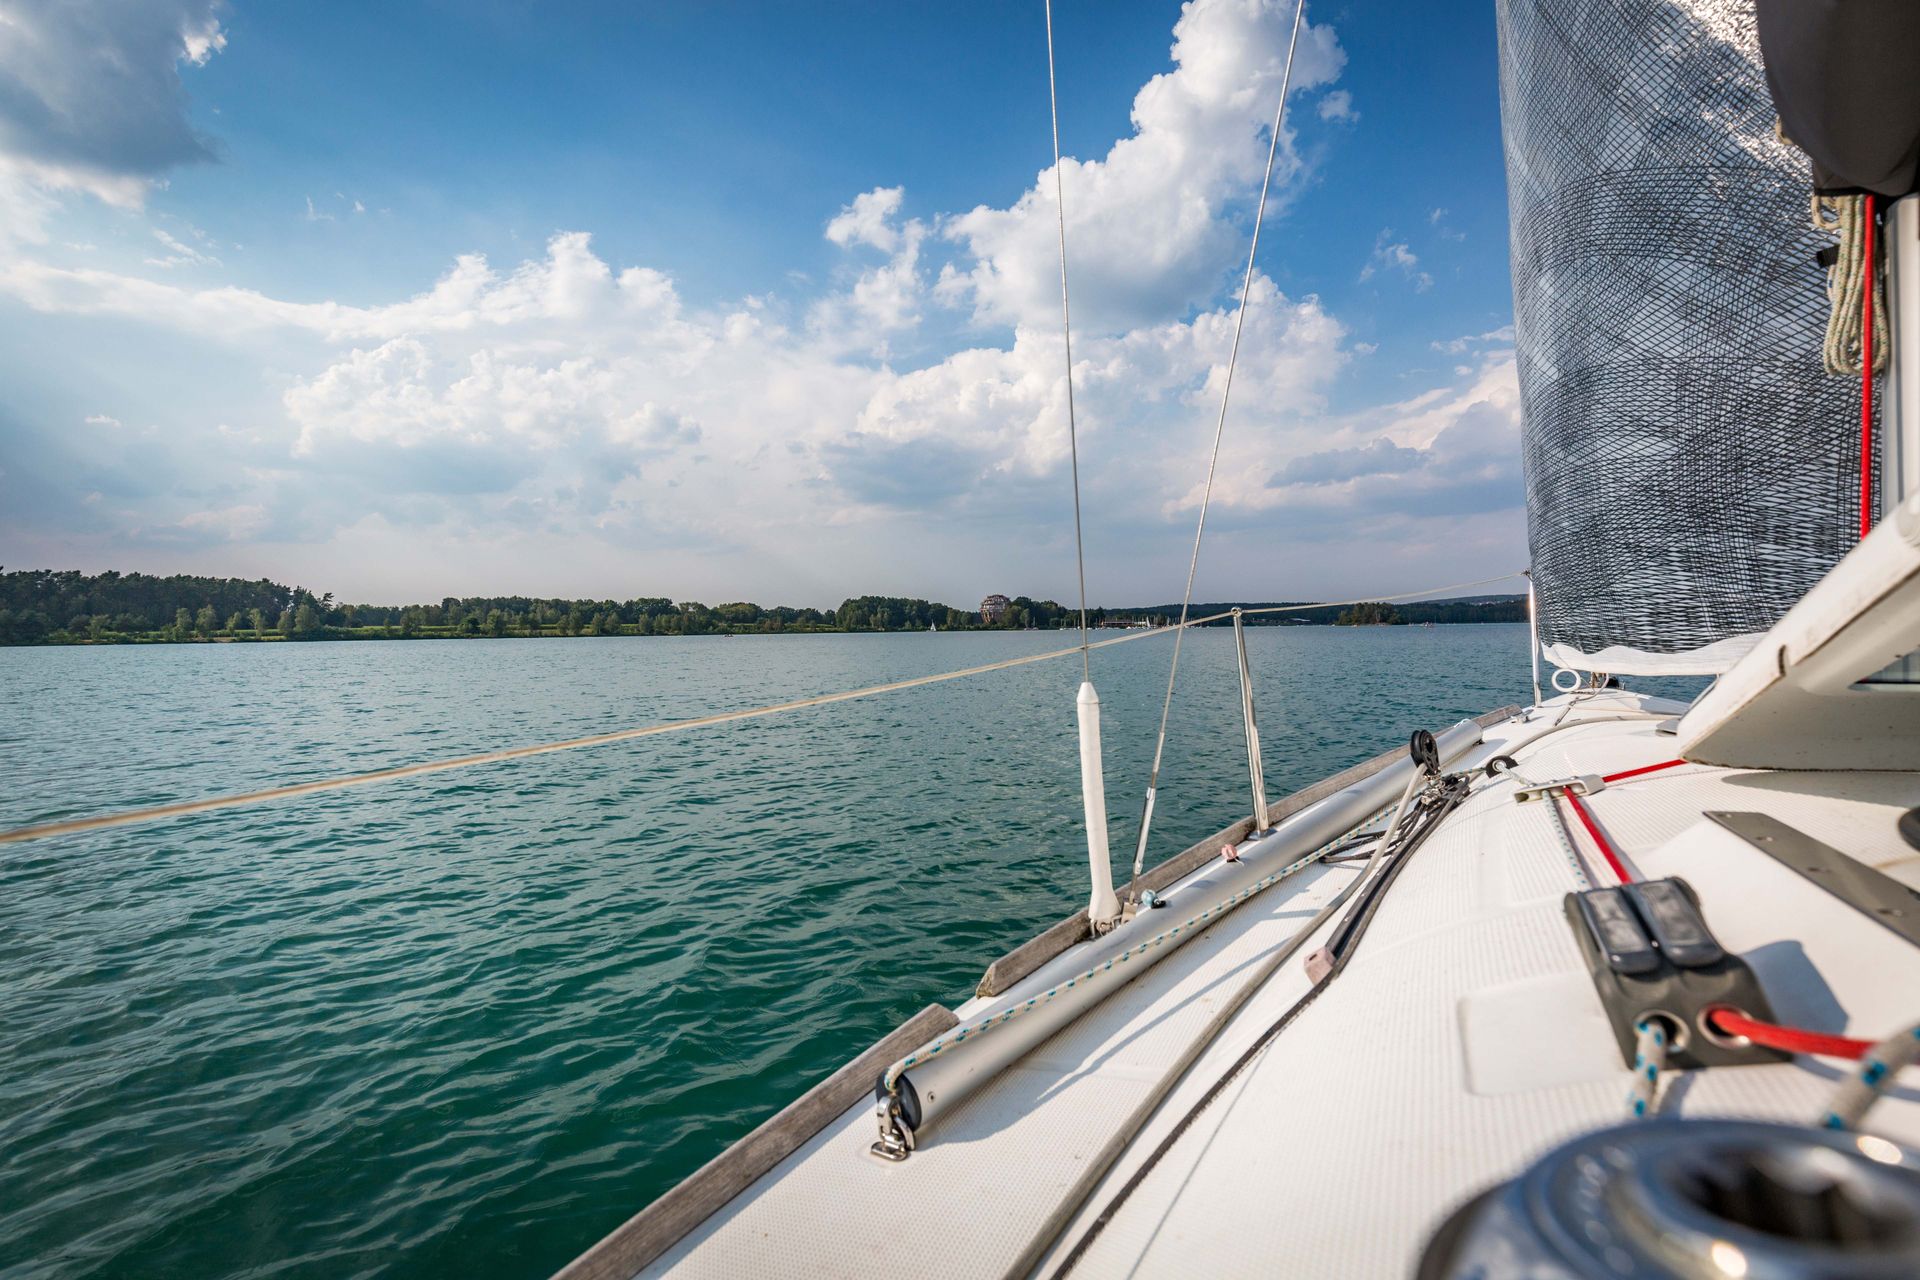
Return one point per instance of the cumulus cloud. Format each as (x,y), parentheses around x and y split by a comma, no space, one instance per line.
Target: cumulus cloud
(883,299)
(1152,224)
(91,97)
(577,402)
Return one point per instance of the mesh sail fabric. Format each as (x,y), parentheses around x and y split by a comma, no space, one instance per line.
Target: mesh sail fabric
(1691,470)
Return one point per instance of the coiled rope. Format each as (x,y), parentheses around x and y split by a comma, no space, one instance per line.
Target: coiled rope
(152,813)
(1854,316)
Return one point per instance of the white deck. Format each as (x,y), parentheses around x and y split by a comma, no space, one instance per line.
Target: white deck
(1461,1041)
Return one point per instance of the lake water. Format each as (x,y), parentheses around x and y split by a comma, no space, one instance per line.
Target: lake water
(470,1022)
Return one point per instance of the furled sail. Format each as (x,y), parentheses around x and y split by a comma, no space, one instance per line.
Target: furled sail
(1691,469)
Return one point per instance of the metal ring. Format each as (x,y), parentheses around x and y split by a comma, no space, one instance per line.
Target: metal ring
(1565,688)
(1676,1027)
(1714,1035)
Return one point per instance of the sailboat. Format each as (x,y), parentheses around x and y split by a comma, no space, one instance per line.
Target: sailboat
(1605,985)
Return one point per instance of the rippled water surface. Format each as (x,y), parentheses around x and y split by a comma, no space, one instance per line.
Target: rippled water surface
(471,1021)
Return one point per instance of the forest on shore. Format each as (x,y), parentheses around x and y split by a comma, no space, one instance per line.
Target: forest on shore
(46,606)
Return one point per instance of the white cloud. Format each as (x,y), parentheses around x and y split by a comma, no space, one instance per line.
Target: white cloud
(1151,226)
(883,300)
(101,420)
(1477,341)
(179,253)
(869,220)
(1338,106)
(565,408)
(1392,255)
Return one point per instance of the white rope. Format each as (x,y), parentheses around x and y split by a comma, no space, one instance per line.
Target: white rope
(151,813)
(1066,339)
(1846,217)
(1649,1060)
(1213,459)
(1879,1066)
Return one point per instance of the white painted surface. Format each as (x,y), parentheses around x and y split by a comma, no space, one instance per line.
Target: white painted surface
(1461,1042)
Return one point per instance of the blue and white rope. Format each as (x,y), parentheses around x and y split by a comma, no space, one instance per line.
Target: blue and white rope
(1879,1067)
(1649,1060)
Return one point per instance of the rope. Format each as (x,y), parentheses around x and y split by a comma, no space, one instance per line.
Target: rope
(1787,1039)
(1607,851)
(1649,1060)
(1624,774)
(1879,1063)
(1856,325)
(183,808)
(1878,1067)
(1867,370)
(1213,459)
(1066,338)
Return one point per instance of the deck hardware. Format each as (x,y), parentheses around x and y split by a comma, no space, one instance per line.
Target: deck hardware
(1873,894)
(1584,785)
(1671,1197)
(1256,769)
(1651,956)
(896,1139)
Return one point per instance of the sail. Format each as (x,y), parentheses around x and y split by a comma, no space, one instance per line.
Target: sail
(1691,469)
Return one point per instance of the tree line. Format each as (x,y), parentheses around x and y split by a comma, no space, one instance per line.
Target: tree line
(43,606)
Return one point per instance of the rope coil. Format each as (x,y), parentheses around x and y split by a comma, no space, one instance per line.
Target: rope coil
(1848,217)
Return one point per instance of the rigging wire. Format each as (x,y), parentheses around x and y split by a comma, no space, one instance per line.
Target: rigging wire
(1213,460)
(1066,339)
(151,813)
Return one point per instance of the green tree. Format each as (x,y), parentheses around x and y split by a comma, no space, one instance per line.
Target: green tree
(182,624)
(206,622)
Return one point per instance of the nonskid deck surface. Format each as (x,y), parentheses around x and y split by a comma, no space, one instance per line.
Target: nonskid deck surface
(1461,1041)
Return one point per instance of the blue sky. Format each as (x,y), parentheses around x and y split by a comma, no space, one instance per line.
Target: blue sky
(738,300)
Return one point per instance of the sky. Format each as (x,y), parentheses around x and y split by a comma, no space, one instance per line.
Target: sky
(754,301)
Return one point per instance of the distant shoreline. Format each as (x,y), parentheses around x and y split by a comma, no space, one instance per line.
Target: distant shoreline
(51,607)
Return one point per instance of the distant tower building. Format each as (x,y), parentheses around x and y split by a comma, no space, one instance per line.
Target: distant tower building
(994,609)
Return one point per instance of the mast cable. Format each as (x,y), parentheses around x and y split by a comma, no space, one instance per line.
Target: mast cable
(1213,460)
(1066,338)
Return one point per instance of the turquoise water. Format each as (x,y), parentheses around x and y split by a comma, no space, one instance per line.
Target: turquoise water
(472,1021)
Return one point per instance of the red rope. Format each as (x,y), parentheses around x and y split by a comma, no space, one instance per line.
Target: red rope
(1788,1039)
(1606,847)
(1866,380)
(1624,774)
